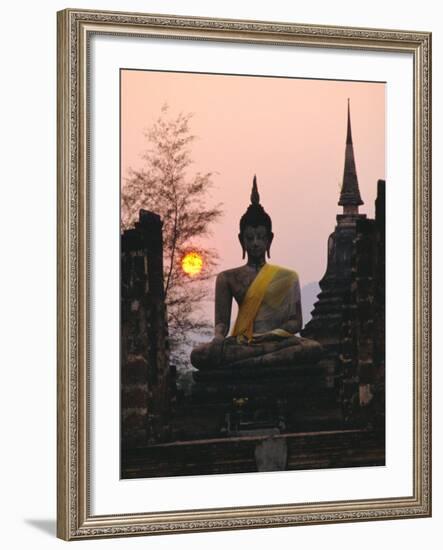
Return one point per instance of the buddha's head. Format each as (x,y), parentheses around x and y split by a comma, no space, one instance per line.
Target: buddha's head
(255,228)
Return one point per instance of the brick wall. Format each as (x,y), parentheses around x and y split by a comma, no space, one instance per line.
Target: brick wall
(362,358)
(145,372)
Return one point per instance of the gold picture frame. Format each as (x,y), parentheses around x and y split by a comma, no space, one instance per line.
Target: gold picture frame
(74,518)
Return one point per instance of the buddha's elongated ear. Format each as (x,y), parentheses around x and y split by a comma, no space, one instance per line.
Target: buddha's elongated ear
(242,246)
(268,248)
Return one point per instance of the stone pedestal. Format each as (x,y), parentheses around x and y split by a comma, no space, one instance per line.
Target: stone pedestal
(286,397)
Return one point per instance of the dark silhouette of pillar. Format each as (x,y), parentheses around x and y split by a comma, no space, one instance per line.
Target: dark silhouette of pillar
(145,373)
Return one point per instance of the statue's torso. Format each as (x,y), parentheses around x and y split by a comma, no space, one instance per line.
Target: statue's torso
(268,318)
(239,280)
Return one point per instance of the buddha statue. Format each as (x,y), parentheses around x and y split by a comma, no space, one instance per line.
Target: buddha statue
(268,297)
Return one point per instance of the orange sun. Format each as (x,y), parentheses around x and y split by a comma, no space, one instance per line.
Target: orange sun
(192,263)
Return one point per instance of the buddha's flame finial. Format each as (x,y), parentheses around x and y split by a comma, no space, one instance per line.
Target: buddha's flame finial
(255,197)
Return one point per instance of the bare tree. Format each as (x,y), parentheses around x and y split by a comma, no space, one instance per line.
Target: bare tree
(164,185)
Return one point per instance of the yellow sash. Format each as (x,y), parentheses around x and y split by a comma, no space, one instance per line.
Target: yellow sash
(244,325)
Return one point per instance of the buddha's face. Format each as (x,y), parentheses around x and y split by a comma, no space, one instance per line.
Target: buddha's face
(256,241)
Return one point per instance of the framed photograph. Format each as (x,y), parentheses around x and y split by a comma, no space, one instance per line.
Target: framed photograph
(243,274)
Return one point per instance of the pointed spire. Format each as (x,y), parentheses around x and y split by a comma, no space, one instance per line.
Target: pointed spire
(350,192)
(255,197)
(349,132)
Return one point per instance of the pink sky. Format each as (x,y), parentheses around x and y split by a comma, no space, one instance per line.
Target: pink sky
(290,132)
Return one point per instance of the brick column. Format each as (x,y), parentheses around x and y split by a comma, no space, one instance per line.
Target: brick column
(145,373)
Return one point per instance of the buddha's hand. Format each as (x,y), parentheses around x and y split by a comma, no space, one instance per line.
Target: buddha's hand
(265,337)
(216,350)
(271,336)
